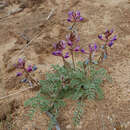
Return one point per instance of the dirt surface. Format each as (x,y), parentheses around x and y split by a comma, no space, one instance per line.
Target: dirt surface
(111,112)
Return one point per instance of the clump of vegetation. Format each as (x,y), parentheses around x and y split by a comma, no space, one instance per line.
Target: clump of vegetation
(74,80)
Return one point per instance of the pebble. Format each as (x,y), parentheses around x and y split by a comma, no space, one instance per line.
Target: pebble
(68,127)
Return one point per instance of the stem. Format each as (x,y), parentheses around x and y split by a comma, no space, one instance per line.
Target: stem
(101,57)
(73,58)
(90,57)
(73,25)
(63,60)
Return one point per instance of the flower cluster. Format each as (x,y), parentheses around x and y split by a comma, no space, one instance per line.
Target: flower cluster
(107,34)
(59,47)
(92,48)
(72,40)
(74,16)
(21,65)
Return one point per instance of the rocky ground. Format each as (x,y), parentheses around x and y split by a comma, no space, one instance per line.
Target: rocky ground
(30,18)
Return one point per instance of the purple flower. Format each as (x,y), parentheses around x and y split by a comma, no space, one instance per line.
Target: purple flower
(71,38)
(70,16)
(70,13)
(114,38)
(77,48)
(81,19)
(111,31)
(82,50)
(18,74)
(61,45)
(110,43)
(95,46)
(29,69)
(107,31)
(21,63)
(66,55)
(57,53)
(54,45)
(77,13)
(92,47)
(74,16)
(100,37)
(69,43)
(69,19)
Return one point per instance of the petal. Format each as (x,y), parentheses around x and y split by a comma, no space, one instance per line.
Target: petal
(66,55)
(77,13)
(95,46)
(63,44)
(81,19)
(100,36)
(29,69)
(68,37)
(70,13)
(90,48)
(114,38)
(82,50)
(111,31)
(110,43)
(57,53)
(54,45)
(107,31)
(69,20)
(18,74)
(20,60)
(69,43)
(77,48)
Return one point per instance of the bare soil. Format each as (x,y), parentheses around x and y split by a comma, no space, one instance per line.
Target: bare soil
(111,112)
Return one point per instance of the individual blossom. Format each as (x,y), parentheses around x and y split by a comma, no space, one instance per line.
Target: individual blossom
(83,51)
(61,45)
(108,33)
(74,16)
(92,48)
(66,55)
(100,36)
(57,53)
(114,38)
(20,63)
(77,48)
(29,68)
(19,74)
(71,38)
(111,42)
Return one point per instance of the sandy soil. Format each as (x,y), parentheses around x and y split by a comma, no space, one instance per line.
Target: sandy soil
(111,112)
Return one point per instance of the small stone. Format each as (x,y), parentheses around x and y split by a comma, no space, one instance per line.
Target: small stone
(68,127)
(102,5)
